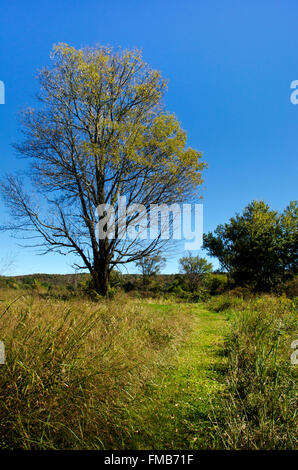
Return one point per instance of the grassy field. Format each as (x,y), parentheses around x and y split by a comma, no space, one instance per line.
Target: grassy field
(259,407)
(172,411)
(131,373)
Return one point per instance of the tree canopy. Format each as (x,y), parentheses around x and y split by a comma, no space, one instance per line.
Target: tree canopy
(100,131)
(258,247)
(195,268)
(150,265)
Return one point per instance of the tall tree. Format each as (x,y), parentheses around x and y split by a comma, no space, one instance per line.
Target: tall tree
(257,247)
(100,131)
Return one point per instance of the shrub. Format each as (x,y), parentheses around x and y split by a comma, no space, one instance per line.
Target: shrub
(241,292)
(289,288)
(217,283)
(177,286)
(225,302)
(116,279)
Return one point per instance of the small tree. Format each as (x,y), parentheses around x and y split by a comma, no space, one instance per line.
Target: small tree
(196,269)
(150,266)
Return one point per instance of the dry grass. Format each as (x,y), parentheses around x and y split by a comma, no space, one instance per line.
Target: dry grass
(259,410)
(71,366)
(113,375)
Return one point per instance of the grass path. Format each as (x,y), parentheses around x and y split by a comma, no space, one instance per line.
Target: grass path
(173,413)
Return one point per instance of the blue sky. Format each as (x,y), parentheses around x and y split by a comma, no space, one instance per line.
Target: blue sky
(229,64)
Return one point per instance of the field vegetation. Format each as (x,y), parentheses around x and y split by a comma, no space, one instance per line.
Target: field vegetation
(161,368)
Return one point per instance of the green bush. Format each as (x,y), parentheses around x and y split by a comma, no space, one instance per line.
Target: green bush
(241,292)
(225,302)
(116,279)
(217,283)
(289,288)
(177,286)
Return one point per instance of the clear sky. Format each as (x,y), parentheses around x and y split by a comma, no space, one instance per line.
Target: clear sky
(229,63)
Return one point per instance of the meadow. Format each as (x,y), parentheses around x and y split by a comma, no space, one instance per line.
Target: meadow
(146,372)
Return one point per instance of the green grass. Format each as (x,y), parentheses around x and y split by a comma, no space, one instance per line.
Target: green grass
(258,409)
(131,373)
(72,366)
(173,411)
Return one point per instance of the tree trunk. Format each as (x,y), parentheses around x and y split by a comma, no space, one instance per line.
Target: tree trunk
(101,274)
(101,281)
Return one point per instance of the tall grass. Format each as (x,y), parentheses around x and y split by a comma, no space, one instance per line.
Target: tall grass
(75,371)
(72,366)
(259,410)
